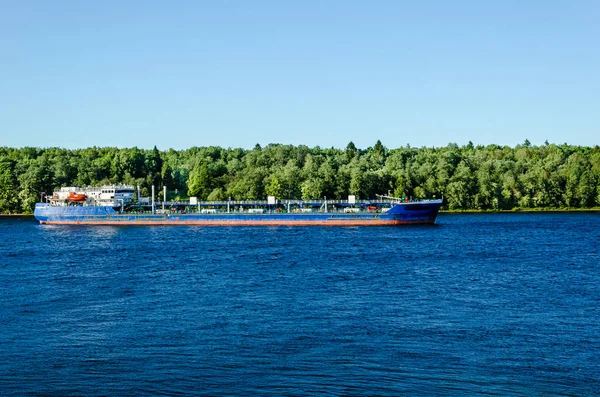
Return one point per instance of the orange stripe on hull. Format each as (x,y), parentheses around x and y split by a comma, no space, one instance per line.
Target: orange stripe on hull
(333,222)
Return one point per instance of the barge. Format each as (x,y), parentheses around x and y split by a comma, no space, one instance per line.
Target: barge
(115,205)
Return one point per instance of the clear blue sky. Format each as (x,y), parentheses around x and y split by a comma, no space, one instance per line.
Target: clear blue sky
(235,73)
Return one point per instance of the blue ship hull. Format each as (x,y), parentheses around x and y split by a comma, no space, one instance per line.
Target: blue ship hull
(423,212)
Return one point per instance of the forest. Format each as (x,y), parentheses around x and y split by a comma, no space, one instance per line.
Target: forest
(486,178)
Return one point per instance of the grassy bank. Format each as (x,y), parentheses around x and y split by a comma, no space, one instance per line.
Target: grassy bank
(521,210)
(15,215)
(512,211)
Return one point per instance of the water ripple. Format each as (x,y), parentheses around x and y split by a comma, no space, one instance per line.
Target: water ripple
(486,304)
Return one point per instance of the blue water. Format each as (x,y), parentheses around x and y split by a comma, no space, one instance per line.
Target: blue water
(479,304)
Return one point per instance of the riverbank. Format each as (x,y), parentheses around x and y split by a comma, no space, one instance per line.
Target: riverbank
(15,215)
(516,210)
(520,210)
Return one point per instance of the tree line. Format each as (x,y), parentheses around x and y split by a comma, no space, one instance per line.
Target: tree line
(468,177)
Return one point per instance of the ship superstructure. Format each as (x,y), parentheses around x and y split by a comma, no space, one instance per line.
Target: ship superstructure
(106,196)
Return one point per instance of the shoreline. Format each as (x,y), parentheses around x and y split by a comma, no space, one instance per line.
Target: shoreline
(15,215)
(451,212)
(523,210)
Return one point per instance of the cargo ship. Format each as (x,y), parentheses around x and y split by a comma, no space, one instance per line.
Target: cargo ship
(115,205)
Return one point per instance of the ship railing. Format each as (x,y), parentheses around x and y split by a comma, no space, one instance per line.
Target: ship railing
(315,204)
(265,203)
(223,211)
(278,202)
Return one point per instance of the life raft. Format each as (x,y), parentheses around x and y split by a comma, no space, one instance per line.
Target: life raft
(77,197)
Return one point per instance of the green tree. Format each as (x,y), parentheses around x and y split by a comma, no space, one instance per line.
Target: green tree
(469,177)
(216,195)
(351,151)
(198,184)
(312,189)
(273,187)
(9,202)
(37,178)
